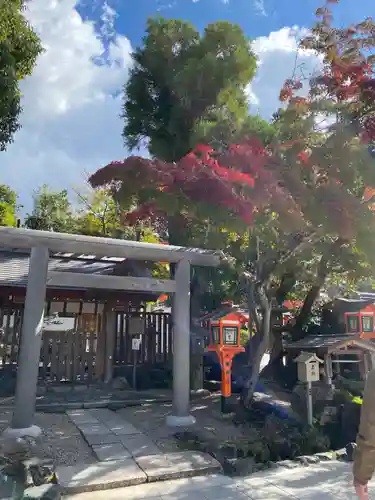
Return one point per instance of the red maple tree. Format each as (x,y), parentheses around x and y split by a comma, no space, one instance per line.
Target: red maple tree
(311,179)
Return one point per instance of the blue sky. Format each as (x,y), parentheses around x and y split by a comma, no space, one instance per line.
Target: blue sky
(72,103)
(256,17)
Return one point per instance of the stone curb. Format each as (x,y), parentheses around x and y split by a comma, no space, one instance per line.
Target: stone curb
(111,404)
(305,461)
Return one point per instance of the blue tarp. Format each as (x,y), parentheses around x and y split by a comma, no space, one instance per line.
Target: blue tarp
(240,372)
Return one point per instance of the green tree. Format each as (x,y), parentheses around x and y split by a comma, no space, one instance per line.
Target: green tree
(186,88)
(52,211)
(180,78)
(98,214)
(19,49)
(8,206)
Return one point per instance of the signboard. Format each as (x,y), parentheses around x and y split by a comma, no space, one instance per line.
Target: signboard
(215,335)
(308,367)
(230,335)
(136,344)
(367,324)
(136,325)
(353,324)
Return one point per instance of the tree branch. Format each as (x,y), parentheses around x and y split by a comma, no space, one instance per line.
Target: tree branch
(321,275)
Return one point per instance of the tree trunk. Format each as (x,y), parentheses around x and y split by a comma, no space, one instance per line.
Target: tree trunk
(275,364)
(312,295)
(261,350)
(196,354)
(263,328)
(276,349)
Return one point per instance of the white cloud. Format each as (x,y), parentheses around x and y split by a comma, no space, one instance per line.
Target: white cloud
(71,106)
(108,19)
(278,59)
(71,121)
(260,7)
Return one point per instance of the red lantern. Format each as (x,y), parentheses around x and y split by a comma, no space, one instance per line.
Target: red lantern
(226,342)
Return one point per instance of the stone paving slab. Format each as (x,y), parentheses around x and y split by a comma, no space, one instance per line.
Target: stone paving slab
(140,445)
(45,491)
(325,481)
(193,460)
(112,451)
(93,429)
(177,465)
(115,423)
(79,417)
(100,476)
(98,439)
(177,488)
(125,429)
(328,481)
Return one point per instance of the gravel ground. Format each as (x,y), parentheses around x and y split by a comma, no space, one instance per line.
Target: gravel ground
(61,440)
(150,419)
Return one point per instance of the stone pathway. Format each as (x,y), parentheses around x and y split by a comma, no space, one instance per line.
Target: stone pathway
(110,436)
(126,456)
(326,481)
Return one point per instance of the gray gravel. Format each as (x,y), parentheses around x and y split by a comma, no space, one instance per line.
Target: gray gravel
(61,440)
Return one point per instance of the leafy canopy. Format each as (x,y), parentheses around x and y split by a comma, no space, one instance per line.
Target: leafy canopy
(8,206)
(308,183)
(19,49)
(183,84)
(52,211)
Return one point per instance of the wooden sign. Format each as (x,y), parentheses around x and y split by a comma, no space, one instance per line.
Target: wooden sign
(136,344)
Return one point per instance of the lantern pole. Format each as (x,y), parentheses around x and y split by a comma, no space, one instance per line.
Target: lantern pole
(309,404)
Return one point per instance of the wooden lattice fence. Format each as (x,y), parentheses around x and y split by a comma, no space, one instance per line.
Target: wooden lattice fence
(156,345)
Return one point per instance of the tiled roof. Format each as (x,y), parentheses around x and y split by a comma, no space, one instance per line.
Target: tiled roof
(330,342)
(14,267)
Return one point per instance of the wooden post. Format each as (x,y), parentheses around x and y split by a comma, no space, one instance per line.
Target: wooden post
(110,329)
(372,360)
(309,404)
(100,355)
(328,369)
(366,367)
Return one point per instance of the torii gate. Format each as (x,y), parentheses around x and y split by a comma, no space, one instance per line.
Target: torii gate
(41,244)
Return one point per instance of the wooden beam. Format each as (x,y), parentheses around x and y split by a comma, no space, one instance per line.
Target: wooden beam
(348,352)
(79,280)
(347,361)
(17,295)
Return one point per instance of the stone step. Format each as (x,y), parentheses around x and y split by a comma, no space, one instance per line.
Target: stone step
(128,471)
(185,489)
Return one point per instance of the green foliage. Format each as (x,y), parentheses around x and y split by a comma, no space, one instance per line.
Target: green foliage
(181,79)
(8,206)
(19,49)
(97,214)
(273,440)
(222,129)
(100,215)
(52,211)
(244,336)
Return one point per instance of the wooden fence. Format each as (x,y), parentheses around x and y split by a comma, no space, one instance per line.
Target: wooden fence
(69,356)
(156,344)
(75,351)
(10,334)
(66,354)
